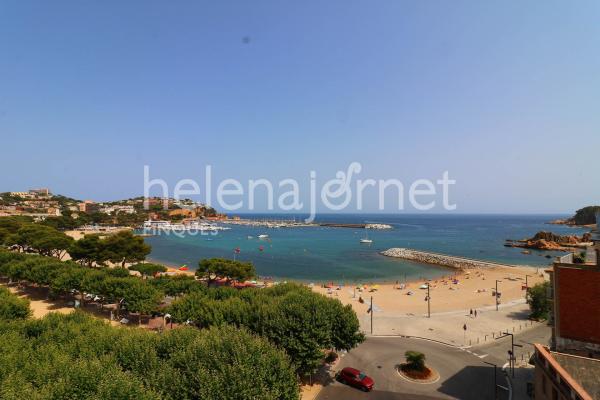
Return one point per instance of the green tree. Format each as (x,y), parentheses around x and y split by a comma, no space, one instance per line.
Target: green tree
(12,306)
(89,250)
(177,285)
(148,269)
(537,298)
(227,363)
(42,239)
(222,268)
(415,360)
(124,247)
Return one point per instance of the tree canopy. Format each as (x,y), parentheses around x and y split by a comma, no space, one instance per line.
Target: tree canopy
(293,317)
(537,298)
(124,247)
(148,269)
(223,268)
(78,357)
(41,239)
(88,250)
(12,306)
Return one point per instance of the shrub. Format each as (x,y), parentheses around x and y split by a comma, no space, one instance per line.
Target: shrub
(415,360)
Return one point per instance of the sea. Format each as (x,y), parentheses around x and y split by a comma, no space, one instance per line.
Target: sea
(326,254)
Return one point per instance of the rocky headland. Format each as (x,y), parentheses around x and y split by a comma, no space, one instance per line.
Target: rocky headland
(544,240)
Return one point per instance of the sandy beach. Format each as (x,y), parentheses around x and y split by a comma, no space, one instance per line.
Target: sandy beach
(460,290)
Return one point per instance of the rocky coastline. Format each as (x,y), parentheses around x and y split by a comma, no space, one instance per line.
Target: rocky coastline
(549,241)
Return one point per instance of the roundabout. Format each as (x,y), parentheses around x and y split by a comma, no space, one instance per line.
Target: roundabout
(456,374)
(427,376)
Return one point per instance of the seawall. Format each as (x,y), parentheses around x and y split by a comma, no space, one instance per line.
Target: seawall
(443,260)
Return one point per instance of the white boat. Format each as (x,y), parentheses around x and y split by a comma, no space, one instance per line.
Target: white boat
(191,226)
(263,236)
(366,240)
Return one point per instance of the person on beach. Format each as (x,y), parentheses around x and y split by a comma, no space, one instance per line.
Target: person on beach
(471,313)
(475,313)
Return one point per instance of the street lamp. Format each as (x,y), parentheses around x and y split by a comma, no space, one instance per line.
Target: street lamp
(526,285)
(495,379)
(511,352)
(497,296)
(428,302)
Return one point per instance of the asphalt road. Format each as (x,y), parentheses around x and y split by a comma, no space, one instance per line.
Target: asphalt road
(497,351)
(462,375)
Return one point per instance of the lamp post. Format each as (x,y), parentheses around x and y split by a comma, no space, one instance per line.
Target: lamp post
(526,285)
(371,309)
(495,380)
(428,302)
(497,293)
(511,352)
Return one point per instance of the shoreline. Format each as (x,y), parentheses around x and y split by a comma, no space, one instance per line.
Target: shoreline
(465,289)
(318,282)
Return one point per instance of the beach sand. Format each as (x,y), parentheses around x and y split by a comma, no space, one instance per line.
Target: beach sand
(474,289)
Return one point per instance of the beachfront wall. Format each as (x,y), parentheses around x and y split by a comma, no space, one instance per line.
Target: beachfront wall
(576,309)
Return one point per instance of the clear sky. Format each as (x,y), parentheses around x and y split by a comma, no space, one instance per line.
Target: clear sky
(504,95)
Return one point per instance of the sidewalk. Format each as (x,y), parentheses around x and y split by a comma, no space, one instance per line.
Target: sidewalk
(449,327)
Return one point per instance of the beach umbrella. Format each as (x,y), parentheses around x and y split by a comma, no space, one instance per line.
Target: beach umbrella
(183,268)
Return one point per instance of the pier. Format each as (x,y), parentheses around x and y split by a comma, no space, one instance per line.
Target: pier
(443,260)
(336,225)
(355,226)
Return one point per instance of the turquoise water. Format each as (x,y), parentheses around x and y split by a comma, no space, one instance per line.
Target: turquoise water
(321,254)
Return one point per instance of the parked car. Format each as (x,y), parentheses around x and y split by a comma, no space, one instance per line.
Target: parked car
(353,377)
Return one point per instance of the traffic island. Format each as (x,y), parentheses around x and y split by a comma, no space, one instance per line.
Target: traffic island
(415,370)
(426,375)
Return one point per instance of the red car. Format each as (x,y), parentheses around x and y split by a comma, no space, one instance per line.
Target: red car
(354,377)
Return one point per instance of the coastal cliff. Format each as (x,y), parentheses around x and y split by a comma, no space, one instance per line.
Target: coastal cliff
(585,216)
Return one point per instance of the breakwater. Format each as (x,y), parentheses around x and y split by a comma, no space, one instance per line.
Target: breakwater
(356,226)
(443,260)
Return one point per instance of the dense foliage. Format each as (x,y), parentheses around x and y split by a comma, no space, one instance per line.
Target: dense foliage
(223,268)
(124,247)
(79,357)
(40,239)
(291,316)
(148,269)
(64,277)
(537,298)
(13,307)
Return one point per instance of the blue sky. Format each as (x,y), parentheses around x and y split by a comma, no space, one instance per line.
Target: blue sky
(504,96)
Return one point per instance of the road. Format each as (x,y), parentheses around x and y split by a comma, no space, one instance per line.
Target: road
(462,375)
(497,351)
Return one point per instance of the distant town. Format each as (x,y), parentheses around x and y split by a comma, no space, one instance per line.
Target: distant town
(69,213)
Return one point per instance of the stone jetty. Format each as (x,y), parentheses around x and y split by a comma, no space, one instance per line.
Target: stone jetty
(443,260)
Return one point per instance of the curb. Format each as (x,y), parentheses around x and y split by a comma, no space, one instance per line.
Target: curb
(420,338)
